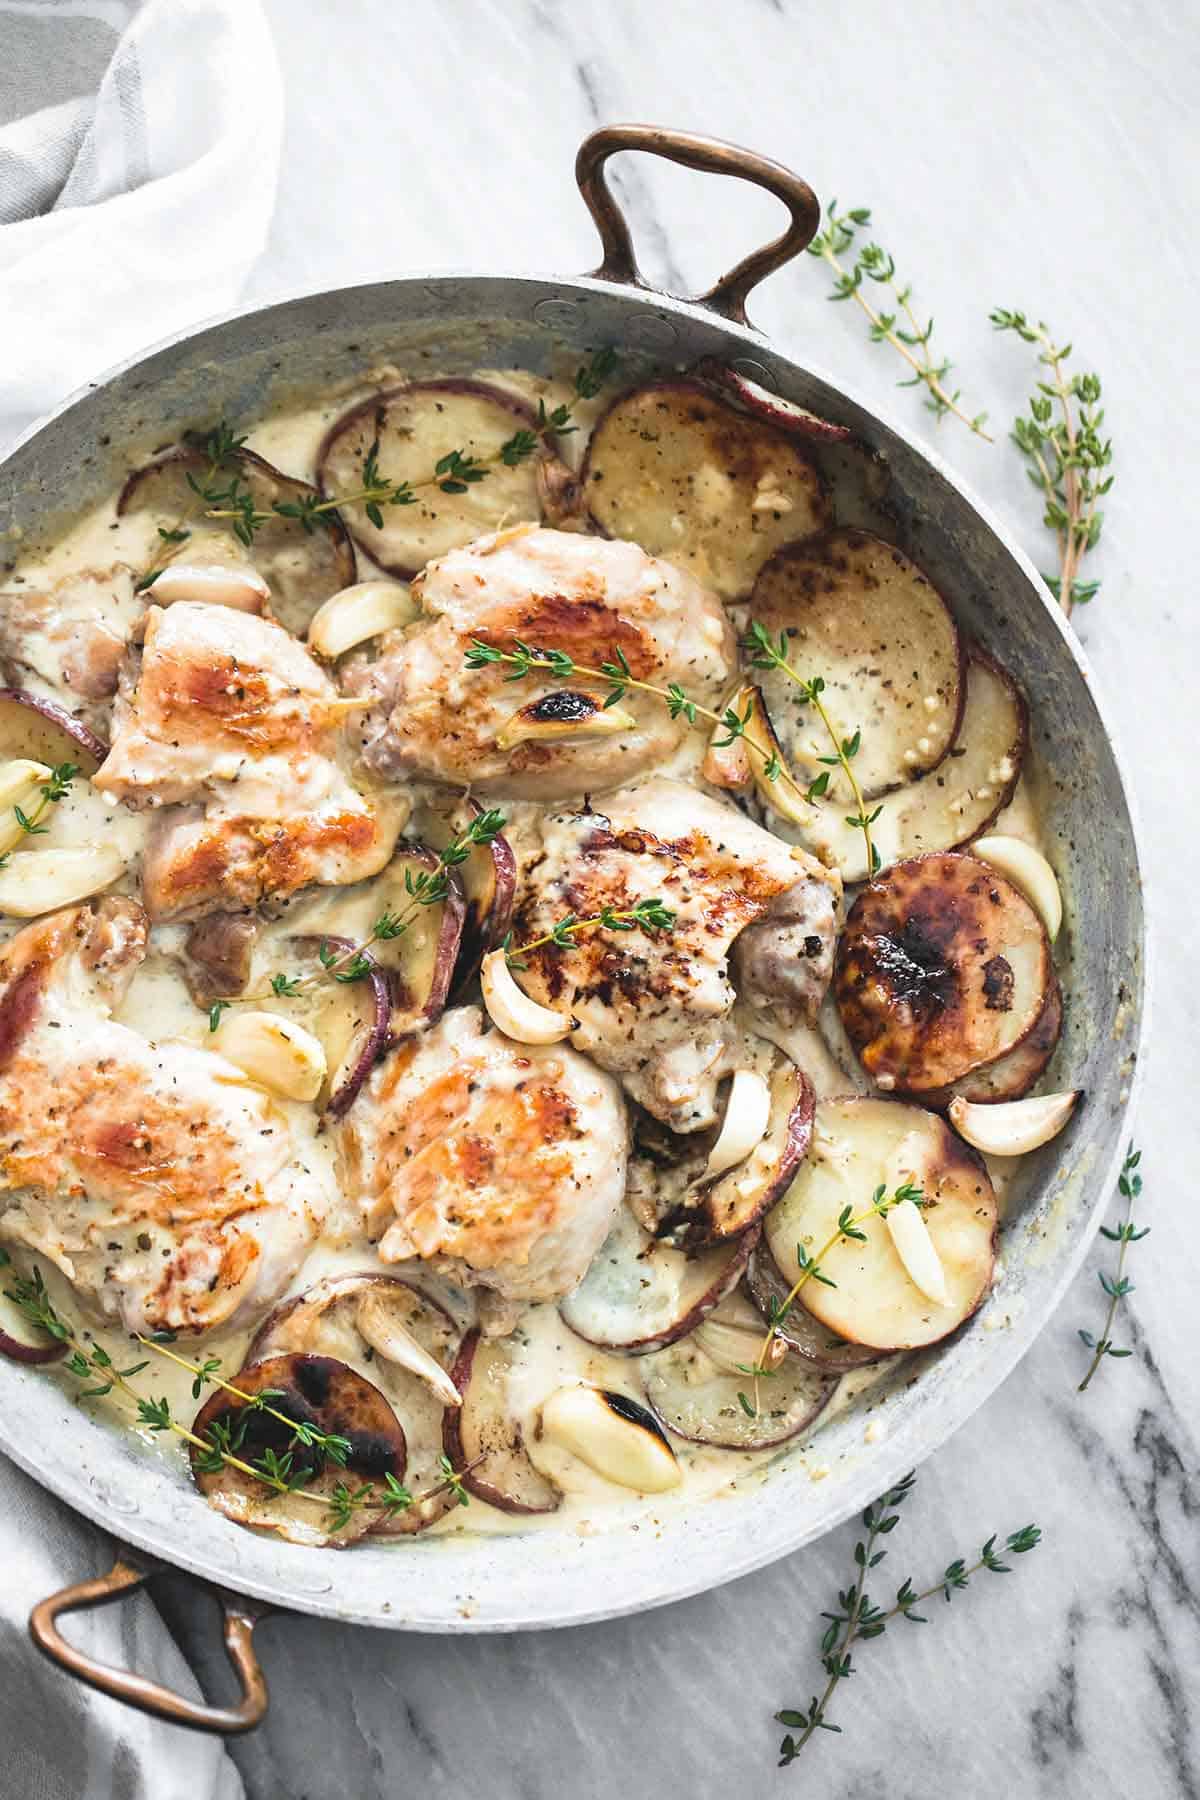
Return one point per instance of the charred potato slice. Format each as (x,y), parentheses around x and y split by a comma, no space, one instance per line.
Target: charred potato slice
(856,611)
(355,1318)
(315,1391)
(485,1440)
(688,477)
(942,968)
(860,1145)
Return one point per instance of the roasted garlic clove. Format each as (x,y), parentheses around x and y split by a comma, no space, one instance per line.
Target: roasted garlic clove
(613,1435)
(274,1052)
(40,881)
(1028,870)
(1013,1127)
(358,613)
(747,1113)
(511,1009)
(562,717)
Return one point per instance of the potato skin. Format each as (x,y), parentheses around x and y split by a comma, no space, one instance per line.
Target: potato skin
(925,990)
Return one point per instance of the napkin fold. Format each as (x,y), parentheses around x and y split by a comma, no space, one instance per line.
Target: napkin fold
(139,155)
(134,210)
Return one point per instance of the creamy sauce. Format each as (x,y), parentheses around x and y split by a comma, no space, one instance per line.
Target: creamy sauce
(159,1006)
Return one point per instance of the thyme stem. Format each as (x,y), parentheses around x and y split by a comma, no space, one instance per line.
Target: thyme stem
(1116,1286)
(914,344)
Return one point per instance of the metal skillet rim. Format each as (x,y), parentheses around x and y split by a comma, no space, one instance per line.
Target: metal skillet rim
(882,1468)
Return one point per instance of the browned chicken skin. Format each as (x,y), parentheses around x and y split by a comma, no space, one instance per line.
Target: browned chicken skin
(160,1181)
(653,1007)
(229,724)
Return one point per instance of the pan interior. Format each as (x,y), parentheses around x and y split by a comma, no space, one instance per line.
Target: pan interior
(260,362)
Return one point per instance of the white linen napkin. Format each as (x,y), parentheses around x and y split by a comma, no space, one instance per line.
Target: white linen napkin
(135,210)
(139,155)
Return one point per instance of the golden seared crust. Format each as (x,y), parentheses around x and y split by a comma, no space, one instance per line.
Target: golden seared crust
(652,1006)
(594,600)
(504,1161)
(944,966)
(230,728)
(155,1176)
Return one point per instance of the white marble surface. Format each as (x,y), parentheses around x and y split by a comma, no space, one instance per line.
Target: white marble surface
(1014,153)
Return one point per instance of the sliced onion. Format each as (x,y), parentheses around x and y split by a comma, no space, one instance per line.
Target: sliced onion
(747,1112)
(512,1011)
(1015,1127)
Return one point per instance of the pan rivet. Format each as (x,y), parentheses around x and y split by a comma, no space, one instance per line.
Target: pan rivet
(558,315)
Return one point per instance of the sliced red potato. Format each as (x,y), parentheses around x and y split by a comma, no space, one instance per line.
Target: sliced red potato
(402,1341)
(943,966)
(43,731)
(641,1293)
(693,1211)
(953,803)
(773,407)
(419,962)
(860,1145)
(350,1019)
(680,472)
(488,877)
(484,1439)
(804,1336)
(316,1391)
(302,568)
(20,1340)
(695,1387)
(857,612)
(1010,1077)
(413,429)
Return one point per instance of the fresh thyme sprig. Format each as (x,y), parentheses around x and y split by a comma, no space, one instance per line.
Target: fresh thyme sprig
(453,473)
(770,653)
(280,1472)
(618,678)
(849,1228)
(221,447)
(900,328)
(1066,456)
(423,887)
(50,792)
(650,915)
(1117,1286)
(856,1619)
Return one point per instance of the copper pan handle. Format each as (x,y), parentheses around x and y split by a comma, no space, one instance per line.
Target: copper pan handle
(126,1575)
(711,155)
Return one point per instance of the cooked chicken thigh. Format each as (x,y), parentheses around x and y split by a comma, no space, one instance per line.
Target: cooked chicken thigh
(226,711)
(653,1007)
(587,596)
(164,1186)
(502,1164)
(72,633)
